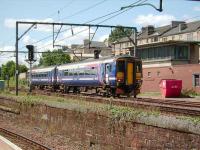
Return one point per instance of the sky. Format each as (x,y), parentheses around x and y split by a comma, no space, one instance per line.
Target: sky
(81,11)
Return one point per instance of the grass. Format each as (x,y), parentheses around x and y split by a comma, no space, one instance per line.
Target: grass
(115,112)
(150,94)
(195,120)
(189,93)
(22,83)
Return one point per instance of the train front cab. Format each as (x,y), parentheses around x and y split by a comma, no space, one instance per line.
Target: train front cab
(129,76)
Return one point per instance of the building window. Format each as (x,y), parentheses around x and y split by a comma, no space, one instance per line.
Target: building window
(190,36)
(181,52)
(158,73)
(180,37)
(155,39)
(149,74)
(196,80)
(147,40)
(164,39)
(173,37)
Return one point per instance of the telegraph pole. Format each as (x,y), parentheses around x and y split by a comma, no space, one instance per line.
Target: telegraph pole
(17,65)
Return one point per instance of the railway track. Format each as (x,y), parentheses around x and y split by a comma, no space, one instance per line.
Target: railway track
(173,106)
(21,141)
(164,105)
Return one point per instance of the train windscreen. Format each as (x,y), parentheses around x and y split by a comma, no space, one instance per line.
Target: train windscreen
(121,66)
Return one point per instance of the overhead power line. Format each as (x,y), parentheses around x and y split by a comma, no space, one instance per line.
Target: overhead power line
(85,9)
(51,15)
(101,17)
(119,12)
(114,13)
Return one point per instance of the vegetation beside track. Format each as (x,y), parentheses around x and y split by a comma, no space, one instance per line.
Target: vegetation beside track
(116,113)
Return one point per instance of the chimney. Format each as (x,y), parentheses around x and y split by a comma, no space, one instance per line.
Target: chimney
(182,26)
(149,29)
(96,53)
(176,23)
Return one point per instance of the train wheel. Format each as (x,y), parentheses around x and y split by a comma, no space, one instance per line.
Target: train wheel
(113,91)
(75,89)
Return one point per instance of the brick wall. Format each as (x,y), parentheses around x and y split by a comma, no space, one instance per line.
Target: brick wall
(182,72)
(96,131)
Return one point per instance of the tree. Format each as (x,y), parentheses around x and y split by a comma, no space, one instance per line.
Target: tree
(23,68)
(119,33)
(8,69)
(56,57)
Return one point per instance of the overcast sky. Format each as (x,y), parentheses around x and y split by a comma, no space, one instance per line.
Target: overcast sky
(81,11)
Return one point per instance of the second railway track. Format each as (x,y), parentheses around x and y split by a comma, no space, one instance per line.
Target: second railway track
(164,105)
(21,141)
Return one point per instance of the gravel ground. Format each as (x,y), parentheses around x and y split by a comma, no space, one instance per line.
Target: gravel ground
(55,142)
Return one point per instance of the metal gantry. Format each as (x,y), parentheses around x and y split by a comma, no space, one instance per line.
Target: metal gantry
(55,36)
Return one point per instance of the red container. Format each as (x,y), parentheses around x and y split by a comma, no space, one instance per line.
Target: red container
(170,87)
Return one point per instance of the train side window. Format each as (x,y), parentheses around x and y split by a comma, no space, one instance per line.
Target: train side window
(70,73)
(87,72)
(75,72)
(93,72)
(66,73)
(81,72)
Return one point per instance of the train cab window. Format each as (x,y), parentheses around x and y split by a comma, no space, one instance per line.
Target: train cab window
(120,66)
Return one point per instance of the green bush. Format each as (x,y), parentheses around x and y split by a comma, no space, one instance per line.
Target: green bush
(189,93)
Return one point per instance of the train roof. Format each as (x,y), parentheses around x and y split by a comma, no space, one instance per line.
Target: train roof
(46,69)
(80,64)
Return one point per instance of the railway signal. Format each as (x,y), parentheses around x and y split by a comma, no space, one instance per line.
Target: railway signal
(30,52)
(30,60)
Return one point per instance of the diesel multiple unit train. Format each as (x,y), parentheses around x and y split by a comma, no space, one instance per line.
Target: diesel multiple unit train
(113,76)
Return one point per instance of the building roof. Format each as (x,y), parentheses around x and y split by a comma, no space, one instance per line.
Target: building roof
(190,27)
(157,32)
(95,44)
(176,27)
(171,42)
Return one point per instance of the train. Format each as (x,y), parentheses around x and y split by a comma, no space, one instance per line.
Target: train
(109,76)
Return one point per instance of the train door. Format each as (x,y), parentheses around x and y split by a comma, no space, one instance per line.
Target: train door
(129,73)
(107,72)
(120,71)
(54,75)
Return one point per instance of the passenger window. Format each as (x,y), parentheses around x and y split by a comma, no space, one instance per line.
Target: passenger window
(87,72)
(70,73)
(66,73)
(75,73)
(81,72)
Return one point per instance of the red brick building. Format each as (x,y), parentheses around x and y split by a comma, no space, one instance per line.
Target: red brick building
(170,60)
